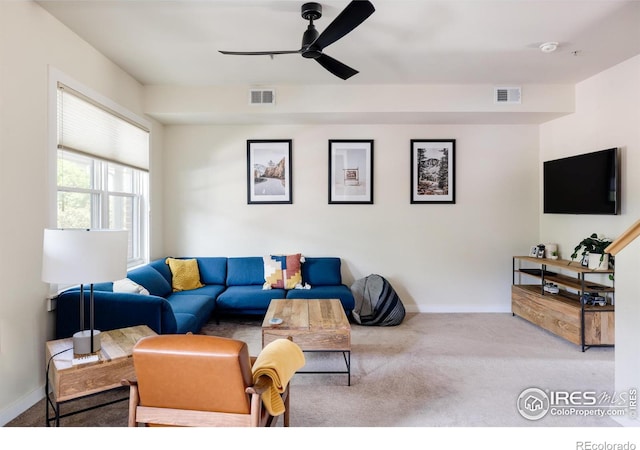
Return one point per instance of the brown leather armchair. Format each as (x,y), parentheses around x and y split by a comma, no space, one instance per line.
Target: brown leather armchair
(197,380)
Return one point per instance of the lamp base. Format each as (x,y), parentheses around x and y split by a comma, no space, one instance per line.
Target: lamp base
(82,342)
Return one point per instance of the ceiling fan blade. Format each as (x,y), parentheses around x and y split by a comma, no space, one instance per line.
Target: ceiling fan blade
(336,67)
(276,52)
(353,15)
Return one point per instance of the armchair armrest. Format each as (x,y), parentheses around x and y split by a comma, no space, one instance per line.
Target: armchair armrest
(134,400)
(260,386)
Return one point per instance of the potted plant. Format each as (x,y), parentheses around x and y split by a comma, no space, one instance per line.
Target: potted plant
(594,246)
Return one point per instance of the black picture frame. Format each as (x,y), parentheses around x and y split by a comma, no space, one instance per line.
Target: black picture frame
(350,171)
(269,171)
(433,163)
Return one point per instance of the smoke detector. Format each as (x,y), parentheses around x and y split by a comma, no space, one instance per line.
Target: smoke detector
(548,47)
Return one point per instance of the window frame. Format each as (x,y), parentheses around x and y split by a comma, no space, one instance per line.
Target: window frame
(139,238)
(101,197)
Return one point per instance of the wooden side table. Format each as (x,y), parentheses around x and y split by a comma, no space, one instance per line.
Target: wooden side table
(66,382)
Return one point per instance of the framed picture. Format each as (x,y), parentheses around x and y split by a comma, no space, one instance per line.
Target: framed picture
(433,170)
(269,171)
(350,171)
(534,251)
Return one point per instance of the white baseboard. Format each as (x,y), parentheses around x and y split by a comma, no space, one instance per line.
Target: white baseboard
(20,406)
(457,309)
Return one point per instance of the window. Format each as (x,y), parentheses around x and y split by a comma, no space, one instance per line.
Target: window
(102,176)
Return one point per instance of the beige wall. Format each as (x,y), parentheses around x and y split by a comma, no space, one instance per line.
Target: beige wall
(30,42)
(607,115)
(438,257)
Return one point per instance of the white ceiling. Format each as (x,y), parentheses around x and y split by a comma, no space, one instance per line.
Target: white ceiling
(163,42)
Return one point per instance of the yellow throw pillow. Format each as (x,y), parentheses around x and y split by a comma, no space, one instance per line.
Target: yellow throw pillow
(185,274)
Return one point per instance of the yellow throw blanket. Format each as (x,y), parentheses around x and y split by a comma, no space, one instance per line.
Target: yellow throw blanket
(278,361)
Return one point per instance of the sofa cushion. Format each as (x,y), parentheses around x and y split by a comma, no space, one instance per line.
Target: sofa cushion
(193,302)
(245,271)
(323,271)
(213,270)
(210,290)
(186,323)
(341,292)
(161,266)
(185,274)
(248,299)
(151,279)
(282,271)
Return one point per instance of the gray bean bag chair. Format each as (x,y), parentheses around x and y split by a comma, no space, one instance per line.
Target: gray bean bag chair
(377,303)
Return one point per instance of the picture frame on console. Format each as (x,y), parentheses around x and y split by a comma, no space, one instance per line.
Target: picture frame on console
(351,171)
(269,171)
(433,170)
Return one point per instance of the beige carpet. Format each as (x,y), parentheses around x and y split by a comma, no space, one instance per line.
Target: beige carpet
(434,370)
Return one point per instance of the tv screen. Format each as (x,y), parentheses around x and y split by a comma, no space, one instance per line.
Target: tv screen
(583,184)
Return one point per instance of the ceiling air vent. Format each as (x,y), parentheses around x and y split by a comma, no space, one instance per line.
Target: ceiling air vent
(262,97)
(507,95)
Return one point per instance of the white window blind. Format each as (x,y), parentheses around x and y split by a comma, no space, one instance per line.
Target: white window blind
(92,129)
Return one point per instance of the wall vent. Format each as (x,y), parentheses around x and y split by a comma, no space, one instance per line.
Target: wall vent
(507,95)
(262,97)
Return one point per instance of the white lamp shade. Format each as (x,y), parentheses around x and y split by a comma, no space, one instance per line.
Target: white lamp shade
(84,256)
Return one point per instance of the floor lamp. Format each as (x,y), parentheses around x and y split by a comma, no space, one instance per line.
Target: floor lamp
(78,256)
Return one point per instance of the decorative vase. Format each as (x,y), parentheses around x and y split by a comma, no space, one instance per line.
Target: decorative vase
(595,263)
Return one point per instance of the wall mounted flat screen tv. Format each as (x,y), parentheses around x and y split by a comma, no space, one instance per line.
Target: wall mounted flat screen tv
(583,184)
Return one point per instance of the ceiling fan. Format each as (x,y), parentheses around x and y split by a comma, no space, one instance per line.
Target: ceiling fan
(313,43)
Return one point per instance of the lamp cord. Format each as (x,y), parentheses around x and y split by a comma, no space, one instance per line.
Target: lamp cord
(53,356)
(46,393)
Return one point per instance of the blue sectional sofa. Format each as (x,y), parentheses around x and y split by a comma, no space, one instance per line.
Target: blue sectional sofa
(232,285)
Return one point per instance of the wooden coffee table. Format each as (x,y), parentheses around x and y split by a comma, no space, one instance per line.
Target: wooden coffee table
(66,382)
(316,325)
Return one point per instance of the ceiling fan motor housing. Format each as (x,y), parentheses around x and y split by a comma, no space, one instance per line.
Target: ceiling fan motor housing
(308,38)
(311,11)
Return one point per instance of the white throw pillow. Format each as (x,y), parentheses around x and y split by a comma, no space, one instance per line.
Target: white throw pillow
(130,286)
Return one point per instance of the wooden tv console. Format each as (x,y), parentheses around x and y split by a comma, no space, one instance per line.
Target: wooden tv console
(563,313)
